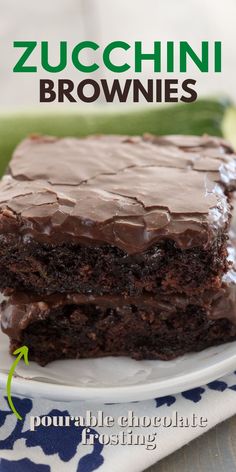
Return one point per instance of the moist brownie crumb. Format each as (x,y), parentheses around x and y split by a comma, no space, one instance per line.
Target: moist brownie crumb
(82,331)
(80,326)
(47,269)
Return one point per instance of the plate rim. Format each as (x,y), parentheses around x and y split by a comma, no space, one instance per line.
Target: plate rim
(127,393)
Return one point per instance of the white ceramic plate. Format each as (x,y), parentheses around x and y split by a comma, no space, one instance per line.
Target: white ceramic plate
(117,379)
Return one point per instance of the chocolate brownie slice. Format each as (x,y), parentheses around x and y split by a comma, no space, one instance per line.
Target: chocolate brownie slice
(116,215)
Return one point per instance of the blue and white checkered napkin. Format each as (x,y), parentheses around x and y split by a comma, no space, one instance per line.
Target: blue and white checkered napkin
(59,448)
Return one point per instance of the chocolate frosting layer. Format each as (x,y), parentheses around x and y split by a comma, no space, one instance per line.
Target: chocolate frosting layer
(124,191)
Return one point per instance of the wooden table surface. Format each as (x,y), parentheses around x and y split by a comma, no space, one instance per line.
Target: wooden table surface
(214,451)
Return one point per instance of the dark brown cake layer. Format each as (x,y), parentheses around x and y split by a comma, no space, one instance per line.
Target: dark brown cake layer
(100,270)
(71,334)
(75,326)
(115,214)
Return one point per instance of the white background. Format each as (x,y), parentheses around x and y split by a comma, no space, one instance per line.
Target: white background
(104,21)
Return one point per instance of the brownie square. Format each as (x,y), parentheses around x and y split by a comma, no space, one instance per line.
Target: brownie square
(116,215)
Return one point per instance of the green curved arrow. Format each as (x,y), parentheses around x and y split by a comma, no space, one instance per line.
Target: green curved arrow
(21,352)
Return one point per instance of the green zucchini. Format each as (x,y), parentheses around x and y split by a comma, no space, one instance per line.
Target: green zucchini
(202,116)
(229,126)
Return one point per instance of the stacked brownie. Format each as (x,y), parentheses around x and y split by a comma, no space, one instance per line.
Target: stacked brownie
(115,245)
